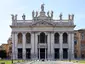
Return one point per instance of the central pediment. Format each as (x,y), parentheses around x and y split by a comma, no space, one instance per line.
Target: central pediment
(42,23)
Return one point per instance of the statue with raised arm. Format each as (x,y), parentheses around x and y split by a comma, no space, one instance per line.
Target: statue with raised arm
(16,17)
(12,17)
(42,7)
(48,14)
(60,16)
(33,13)
(51,14)
(36,13)
(23,16)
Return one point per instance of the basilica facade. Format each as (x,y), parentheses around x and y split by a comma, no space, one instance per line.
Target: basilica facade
(43,37)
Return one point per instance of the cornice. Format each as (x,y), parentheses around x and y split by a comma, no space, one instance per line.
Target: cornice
(24,32)
(38,26)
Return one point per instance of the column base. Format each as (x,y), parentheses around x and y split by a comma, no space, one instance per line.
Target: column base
(34,57)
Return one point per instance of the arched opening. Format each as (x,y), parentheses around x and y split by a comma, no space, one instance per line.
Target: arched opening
(20,38)
(65,38)
(42,37)
(28,38)
(56,38)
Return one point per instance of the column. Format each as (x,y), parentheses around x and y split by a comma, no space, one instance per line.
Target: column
(52,45)
(69,46)
(49,46)
(39,52)
(24,49)
(36,49)
(72,45)
(16,52)
(45,46)
(13,46)
(45,53)
(61,48)
(32,45)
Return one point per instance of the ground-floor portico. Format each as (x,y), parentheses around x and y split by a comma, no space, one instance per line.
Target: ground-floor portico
(49,46)
(43,54)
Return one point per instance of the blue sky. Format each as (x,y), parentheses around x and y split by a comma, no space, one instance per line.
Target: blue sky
(8,7)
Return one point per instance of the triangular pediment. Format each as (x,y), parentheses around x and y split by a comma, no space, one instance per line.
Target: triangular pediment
(42,23)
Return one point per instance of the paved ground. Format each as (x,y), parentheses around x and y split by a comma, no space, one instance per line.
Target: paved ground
(47,62)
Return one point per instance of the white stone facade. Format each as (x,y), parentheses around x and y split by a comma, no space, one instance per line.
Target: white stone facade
(42,41)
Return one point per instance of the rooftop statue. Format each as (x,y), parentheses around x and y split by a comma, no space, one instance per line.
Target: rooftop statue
(16,17)
(72,16)
(42,7)
(69,17)
(33,13)
(51,14)
(23,16)
(60,16)
(48,14)
(12,17)
(36,13)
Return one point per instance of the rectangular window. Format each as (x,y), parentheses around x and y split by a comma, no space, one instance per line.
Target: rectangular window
(82,36)
(20,53)
(56,53)
(75,34)
(65,53)
(28,53)
(75,42)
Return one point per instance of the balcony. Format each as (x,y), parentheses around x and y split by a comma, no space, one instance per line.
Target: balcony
(42,45)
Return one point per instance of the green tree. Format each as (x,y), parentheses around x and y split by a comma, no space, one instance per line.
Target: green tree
(3,54)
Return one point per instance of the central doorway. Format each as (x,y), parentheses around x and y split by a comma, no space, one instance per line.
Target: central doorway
(42,53)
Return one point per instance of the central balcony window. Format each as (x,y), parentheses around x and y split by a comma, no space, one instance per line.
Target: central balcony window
(42,38)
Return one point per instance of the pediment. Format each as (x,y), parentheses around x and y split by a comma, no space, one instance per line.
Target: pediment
(42,23)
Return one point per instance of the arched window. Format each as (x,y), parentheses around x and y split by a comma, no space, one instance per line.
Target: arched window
(56,38)
(65,38)
(20,38)
(28,38)
(42,37)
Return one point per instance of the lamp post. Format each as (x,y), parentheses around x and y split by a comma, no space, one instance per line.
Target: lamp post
(12,54)
(12,59)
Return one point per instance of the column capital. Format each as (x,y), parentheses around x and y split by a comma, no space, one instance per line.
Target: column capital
(34,32)
(61,32)
(52,32)
(23,32)
(49,32)
(71,32)
(14,32)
